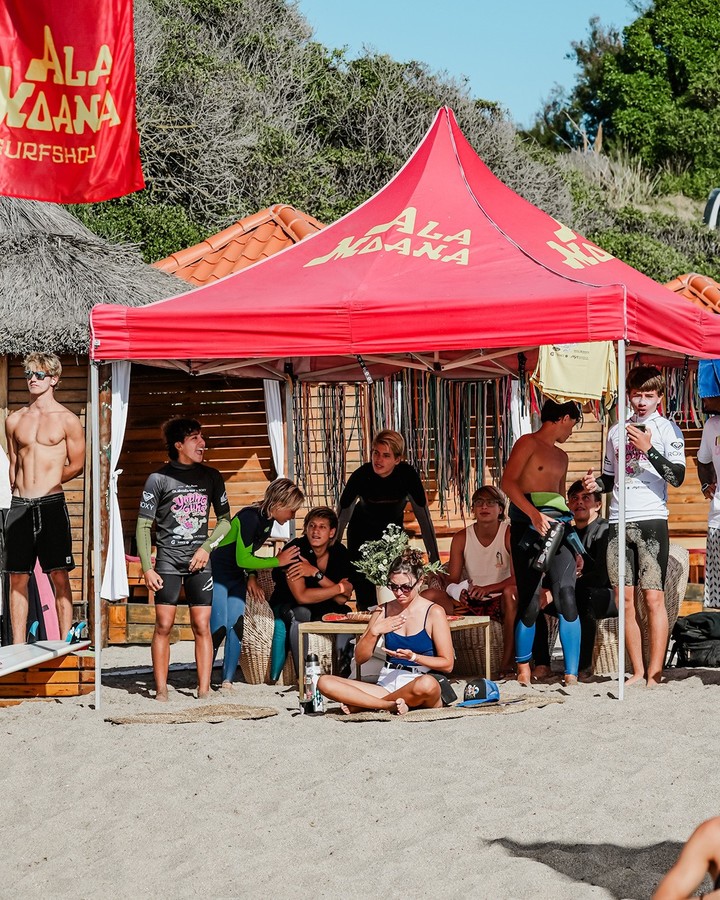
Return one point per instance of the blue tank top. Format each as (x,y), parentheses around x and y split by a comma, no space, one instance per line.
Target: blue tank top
(420,643)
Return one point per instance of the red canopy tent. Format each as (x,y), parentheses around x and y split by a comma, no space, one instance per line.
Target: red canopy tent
(442,262)
(445,268)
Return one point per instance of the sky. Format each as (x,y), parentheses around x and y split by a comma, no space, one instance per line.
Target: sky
(511,51)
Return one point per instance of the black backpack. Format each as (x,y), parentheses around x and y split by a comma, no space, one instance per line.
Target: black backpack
(697,640)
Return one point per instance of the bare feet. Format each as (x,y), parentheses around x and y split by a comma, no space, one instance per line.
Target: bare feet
(162,695)
(203,695)
(349,710)
(402,707)
(227,687)
(654,680)
(570,680)
(523,674)
(633,679)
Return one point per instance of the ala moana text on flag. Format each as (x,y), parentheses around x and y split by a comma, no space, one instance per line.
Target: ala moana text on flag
(67,101)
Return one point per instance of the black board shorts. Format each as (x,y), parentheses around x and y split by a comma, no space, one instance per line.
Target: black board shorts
(38,528)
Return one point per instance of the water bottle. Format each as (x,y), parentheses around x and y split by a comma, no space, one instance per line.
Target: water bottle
(312,698)
(550,545)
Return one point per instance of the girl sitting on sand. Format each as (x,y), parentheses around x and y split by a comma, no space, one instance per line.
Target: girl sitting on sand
(417,639)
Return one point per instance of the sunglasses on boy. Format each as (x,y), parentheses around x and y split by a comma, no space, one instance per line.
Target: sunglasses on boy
(402,588)
(41,376)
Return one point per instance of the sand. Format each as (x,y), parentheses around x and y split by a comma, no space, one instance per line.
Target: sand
(588,798)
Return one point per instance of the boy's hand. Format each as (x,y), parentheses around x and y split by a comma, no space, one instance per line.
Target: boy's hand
(640,439)
(589,483)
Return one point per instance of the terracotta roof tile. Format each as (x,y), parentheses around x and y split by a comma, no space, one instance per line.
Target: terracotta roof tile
(247,241)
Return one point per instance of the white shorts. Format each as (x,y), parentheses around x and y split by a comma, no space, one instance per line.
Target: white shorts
(394,679)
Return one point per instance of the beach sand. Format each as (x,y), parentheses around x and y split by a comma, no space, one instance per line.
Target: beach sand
(588,798)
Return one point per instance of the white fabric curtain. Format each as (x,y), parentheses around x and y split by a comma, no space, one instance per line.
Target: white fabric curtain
(273,413)
(115,583)
(519,419)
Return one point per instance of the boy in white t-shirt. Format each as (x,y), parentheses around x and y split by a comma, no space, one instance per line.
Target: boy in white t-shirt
(655,457)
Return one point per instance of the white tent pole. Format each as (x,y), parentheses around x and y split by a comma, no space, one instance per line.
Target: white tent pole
(290,441)
(622,406)
(97,567)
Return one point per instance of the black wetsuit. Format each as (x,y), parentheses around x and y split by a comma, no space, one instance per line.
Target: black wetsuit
(381,502)
(525,544)
(594,596)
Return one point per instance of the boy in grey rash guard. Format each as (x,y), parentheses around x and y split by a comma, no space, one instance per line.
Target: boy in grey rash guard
(178,498)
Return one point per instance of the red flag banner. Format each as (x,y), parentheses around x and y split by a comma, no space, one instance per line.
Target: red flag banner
(67,100)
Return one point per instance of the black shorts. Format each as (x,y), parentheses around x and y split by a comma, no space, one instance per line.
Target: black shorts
(198,588)
(38,528)
(647,547)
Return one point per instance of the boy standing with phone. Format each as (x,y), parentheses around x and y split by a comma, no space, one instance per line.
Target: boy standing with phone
(655,457)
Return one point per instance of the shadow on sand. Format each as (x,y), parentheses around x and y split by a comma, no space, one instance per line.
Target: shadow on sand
(627,873)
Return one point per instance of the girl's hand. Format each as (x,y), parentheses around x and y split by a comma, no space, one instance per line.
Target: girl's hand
(403,653)
(254,591)
(288,556)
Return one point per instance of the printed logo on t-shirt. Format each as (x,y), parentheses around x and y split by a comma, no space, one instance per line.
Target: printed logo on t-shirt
(147,497)
(189,511)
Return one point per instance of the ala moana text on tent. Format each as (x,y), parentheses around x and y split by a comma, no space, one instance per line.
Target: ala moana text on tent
(92,111)
(405,223)
(577,257)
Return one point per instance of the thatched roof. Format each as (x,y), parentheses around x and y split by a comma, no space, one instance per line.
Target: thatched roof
(52,271)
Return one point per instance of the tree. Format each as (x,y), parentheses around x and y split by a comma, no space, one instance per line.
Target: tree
(656,92)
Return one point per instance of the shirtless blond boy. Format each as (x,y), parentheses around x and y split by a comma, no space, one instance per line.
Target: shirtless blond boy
(46,447)
(534,480)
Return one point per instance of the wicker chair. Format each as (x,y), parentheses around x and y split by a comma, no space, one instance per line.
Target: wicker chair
(605,652)
(469,646)
(257,641)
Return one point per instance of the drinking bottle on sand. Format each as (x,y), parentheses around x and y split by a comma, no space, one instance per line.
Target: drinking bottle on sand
(312,698)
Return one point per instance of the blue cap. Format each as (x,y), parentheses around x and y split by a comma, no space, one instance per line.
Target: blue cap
(480,690)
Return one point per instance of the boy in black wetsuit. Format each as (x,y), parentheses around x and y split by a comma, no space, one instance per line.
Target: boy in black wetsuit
(534,480)
(594,595)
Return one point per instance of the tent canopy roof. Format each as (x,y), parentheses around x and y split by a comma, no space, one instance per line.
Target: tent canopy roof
(445,268)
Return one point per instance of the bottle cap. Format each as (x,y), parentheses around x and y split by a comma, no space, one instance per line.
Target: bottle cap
(311,658)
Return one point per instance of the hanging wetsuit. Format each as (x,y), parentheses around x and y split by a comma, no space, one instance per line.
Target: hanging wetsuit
(525,544)
(236,553)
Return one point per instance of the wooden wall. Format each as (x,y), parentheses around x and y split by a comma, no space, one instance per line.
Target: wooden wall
(232,414)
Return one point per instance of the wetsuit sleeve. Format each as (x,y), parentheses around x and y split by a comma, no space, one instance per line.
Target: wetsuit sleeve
(143,540)
(415,487)
(672,472)
(605,483)
(219,497)
(348,499)
(244,556)
(221,529)
(422,514)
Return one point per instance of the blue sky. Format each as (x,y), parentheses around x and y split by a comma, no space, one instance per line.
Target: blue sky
(512,51)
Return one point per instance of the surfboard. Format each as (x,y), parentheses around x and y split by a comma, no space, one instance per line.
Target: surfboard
(47,604)
(22,656)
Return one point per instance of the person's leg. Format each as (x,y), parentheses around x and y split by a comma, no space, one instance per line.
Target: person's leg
(444,600)
(199,589)
(421,693)
(711,595)
(200,623)
(633,638)
(356,695)
(160,647)
(508,605)
(165,605)
(593,606)
(218,615)
(19,606)
(529,585)
(541,645)
(296,615)
(653,553)
(562,584)
(233,637)
(63,599)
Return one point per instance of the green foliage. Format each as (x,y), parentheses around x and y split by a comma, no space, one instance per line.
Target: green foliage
(655,91)
(159,229)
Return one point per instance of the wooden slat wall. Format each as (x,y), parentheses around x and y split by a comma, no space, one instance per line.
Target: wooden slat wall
(688,508)
(232,414)
(71,392)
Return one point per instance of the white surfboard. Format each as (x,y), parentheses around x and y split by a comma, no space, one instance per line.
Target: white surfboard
(21,656)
